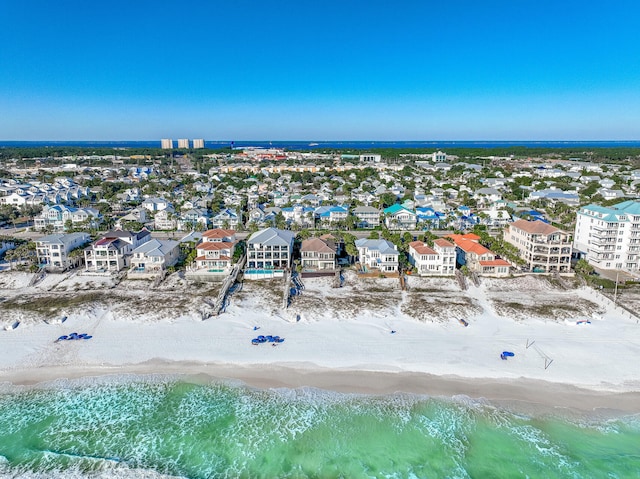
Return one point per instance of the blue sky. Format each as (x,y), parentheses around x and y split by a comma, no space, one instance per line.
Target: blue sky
(309,70)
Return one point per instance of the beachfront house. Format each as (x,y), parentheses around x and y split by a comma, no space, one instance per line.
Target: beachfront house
(436,260)
(112,252)
(153,257)
(477,258)
(377,255)
(214,254)
(317,254)
(53,250)
(545,248)
(269,253)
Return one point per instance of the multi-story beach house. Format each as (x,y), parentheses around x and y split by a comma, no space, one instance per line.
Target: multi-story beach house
(165,219)
(225,218)
(367,216)
(609,237)
(439,260)
(269,253)
(331,214)
(377,254)
(156,204)
(153,257)
(219,235)
(397,217)
(317,254)
(53,250)
(477,258)
(214,255)
(545,248)
(57,217)
(112,252)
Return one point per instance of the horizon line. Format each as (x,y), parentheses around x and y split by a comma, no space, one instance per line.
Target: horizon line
(329,141)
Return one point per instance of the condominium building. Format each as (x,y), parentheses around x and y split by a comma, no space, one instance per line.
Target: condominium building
(166,144)
(609,237)
(198,143)
(183,143)
(545,248)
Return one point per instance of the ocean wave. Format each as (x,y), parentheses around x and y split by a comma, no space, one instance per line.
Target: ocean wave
(164,427)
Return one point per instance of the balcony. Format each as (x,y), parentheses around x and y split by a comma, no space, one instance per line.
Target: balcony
(602,241)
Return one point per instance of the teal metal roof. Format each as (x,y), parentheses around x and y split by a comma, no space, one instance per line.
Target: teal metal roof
(396,208)
(629,207)
(613,213)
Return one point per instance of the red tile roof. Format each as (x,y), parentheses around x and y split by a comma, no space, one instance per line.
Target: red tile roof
(421,248)
(535,227)
(213,246)
(443,243)
(218,233)
(495,262)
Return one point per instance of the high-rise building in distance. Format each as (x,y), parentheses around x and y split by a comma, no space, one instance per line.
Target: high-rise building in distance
(167,143)
(183,143)
(198,143)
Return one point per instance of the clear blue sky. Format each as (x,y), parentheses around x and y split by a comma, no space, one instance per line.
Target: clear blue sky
(320,70)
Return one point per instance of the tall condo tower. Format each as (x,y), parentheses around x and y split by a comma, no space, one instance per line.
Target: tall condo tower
(166,143)
(198,143)
(183,143)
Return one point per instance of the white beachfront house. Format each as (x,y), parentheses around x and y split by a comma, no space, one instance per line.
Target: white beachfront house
(112,252)
(439,260)
(269,253)
(153,257)
(378,254)
(53,250)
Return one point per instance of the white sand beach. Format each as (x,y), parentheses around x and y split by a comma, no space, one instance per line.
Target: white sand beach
(335,338)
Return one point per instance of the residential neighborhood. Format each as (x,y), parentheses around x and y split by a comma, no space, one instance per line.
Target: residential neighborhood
(429,214)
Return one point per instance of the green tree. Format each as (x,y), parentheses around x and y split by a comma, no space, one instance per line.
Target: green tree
(583,268)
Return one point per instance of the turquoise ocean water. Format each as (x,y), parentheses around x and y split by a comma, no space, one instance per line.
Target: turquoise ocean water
(152,427)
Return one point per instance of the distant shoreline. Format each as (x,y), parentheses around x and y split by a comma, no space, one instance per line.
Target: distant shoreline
(525,395)
(334,144)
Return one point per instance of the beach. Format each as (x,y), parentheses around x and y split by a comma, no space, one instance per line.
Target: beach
(370,380)
(337,338)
